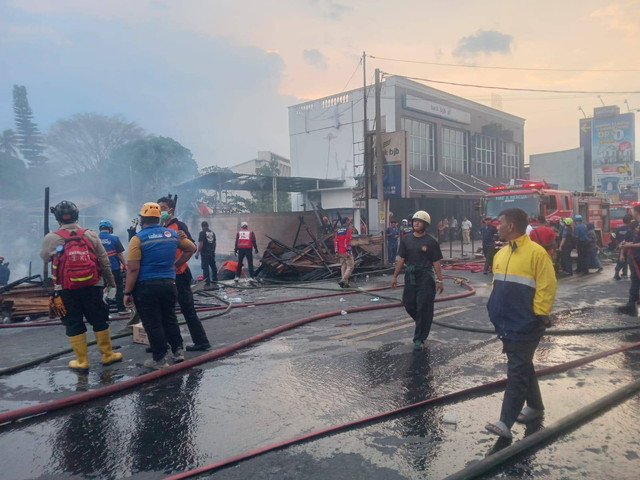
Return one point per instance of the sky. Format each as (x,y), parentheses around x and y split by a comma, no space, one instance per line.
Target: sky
(218,75)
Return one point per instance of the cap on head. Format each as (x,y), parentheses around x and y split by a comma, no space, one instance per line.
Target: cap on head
(393,221)
(244,225)
(150,209)
(422,215)
(65,212)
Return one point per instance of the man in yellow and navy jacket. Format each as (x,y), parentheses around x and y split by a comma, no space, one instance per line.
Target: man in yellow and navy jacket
(524,287)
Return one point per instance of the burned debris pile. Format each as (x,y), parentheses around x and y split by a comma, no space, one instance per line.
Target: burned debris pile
(24,299)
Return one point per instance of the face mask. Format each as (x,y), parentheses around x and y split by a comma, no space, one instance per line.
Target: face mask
(164,216)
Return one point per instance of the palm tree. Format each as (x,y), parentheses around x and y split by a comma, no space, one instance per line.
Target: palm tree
(9,143)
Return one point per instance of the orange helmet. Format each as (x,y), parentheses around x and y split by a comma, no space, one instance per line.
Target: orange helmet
(150,209)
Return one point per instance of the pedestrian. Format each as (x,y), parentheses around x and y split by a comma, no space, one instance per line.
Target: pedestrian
(342,249)
(622,233)
(453,228)
(423,276)
(466,230)
(80,270)
(593,261)
(567,244)
(5,273)
(245,240)
(114,249)
(441,230)
(151,283)
(582,242)
(524,288)
(543,235)
(207,248)
(632,249)
(405,228)
(488,231)
(183,278)
(393,233)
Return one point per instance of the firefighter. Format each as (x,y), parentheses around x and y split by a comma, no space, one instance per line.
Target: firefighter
(489,232)
(392,241)
(582,240)
(567,244)
(405,228)
(422,278)
(80,270)
(342,248)
(114,249)
(245,241)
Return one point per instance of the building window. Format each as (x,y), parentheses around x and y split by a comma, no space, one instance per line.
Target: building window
(485,156)
(420,151)
(455,157)
(510,160)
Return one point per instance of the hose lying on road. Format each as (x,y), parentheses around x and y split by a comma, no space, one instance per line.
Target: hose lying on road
(537,439)
(382,416)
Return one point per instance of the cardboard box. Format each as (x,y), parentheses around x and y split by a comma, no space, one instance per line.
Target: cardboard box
(139,335)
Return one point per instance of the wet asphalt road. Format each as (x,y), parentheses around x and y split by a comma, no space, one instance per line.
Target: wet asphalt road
(322,374)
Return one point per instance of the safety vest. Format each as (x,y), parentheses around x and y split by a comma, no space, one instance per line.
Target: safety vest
(183,268)
(109,242)
(158,246)
(342,240)
(244,239)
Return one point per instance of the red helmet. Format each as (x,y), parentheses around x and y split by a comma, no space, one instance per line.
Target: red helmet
(555,219)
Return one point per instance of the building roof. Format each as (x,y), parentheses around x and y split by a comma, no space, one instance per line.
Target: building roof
(439,184)
(258,183)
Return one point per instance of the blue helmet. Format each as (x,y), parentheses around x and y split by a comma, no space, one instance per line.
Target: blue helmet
(577,218)
(105,224)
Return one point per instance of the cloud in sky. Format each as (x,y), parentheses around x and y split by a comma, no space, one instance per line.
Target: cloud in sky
(483,42)
(218,99)
(315,57)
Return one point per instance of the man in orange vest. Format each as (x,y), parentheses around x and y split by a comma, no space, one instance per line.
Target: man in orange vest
(183,279)
(245,240)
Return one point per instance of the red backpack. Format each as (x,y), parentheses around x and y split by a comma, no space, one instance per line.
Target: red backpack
(75,264)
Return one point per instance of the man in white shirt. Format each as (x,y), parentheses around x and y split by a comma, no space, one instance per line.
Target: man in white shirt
(466,230)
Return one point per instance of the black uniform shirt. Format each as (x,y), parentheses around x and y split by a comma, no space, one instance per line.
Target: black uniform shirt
(411,249)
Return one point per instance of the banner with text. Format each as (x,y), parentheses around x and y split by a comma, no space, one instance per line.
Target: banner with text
(612,152)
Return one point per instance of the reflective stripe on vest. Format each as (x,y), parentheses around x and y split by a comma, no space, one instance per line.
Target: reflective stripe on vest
(244,239)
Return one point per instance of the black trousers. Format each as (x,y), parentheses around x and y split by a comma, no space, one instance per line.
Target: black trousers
(522,383)
(489,253)
(242,253)
(634,289)
(117,275)
(621,265)
(156,304)
(566,263)
(209,262)
(583,253)
(418,302)
(185,299)
(84,303)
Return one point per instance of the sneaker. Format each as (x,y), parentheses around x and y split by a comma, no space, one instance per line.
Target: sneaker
(417,346)
(124,312)
(600,270)
(198,348)
(178,355)
(528,414)
(341,283)
(624,275)
(157,364)
(499,428)
(617,277)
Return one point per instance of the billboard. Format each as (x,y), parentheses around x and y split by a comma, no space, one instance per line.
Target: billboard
(394,148)
(612,148)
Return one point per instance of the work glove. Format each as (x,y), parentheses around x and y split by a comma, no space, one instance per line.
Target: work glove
(545,319)
(56,306)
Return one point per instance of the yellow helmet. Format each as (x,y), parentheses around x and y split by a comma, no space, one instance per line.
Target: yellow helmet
(422,215)
(150,209)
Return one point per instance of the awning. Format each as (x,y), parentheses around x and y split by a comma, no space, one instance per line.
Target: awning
(258,183)
(446,185)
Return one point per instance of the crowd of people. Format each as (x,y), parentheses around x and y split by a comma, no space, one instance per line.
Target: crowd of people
(154,277)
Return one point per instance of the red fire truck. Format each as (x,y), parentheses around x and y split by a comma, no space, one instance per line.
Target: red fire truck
(538,198)
(617,211)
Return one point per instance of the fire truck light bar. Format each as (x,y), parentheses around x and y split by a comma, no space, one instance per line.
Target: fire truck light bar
(499,188)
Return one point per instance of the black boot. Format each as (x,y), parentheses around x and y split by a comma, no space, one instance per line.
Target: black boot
(629,309)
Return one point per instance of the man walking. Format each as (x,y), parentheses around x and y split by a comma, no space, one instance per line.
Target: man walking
(183,278)
(466,230)
(392,241)
(80,269)
(524,287)
(245,241)
(488,232)
(151,283)
(423,276)
(114,250)
(342,249)
(207,248)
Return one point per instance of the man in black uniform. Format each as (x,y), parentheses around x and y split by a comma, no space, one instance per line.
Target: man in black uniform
(423,276)
(207,248)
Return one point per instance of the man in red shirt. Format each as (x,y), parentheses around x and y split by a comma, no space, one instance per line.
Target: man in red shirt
(342,247)
(544,235)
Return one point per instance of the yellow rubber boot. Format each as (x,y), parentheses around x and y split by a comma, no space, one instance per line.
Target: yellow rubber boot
(104,344)
(79,345)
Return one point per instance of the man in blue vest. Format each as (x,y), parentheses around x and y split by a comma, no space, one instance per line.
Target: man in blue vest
(114,248)
(151,283)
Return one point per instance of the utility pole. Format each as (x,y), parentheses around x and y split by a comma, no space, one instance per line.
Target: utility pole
(380,172)
(365,137)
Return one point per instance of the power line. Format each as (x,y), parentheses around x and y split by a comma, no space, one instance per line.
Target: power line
(532,69)
(521,89)
(351,77)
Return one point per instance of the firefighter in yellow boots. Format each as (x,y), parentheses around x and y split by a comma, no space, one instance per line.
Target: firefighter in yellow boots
(80,270)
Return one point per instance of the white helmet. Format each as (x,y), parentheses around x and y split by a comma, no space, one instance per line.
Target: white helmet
(422,215)
(243,224)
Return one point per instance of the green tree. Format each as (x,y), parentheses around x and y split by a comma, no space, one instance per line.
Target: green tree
(12,176)
(30,139)
(145,169)
(9,143)
(263,200)
(86,140)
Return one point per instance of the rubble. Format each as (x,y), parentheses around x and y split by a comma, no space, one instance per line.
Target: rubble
(22,299)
